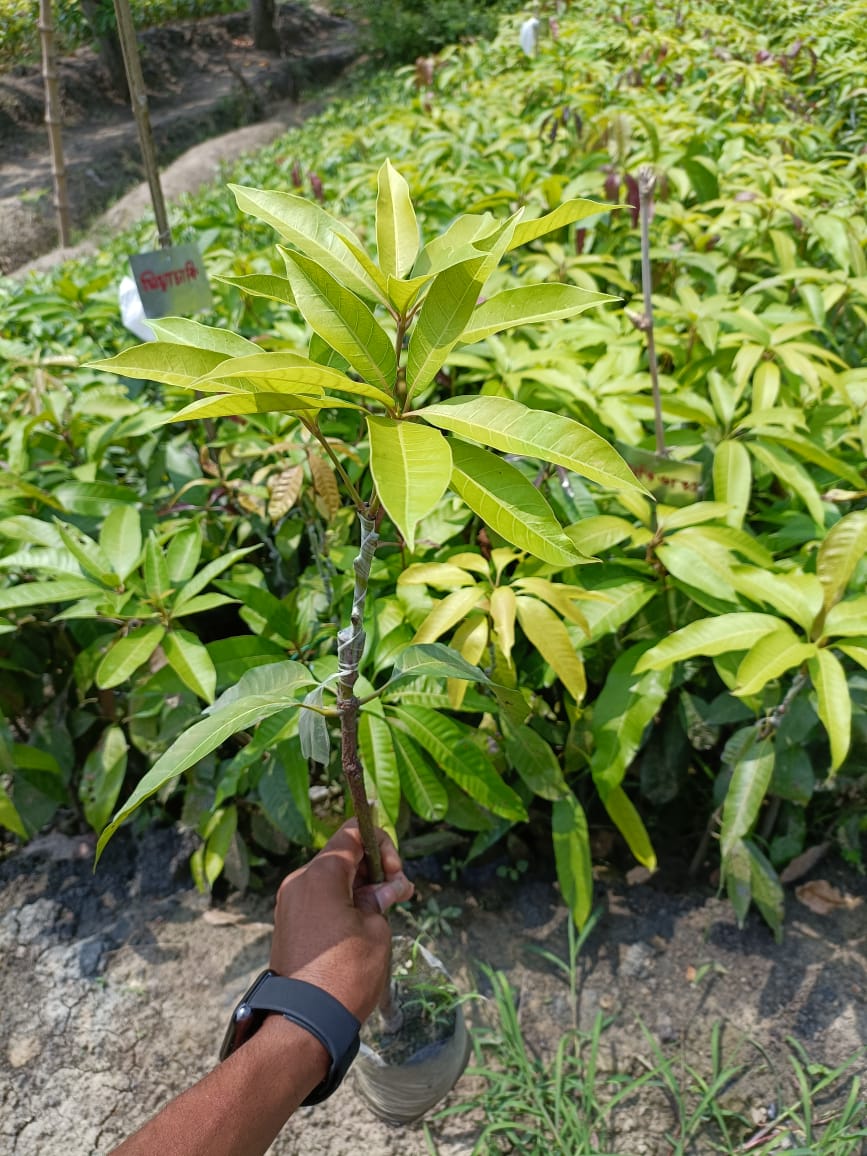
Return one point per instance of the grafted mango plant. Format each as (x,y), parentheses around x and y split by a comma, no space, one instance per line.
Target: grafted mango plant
(382,330)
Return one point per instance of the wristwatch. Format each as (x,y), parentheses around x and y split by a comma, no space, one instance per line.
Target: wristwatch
(306,1005)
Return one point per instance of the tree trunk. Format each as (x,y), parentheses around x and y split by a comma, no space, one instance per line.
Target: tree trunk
(100,17)
(53,121)
(263,25)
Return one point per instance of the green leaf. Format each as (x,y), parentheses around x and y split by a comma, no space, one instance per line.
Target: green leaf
(162,361)
(529,305)
(120,540)
(771,656)
(767,890)
(156,571)
(791,474)
(737,868)
(733,479)
(432,659)
(424,792)
(219,835)
(843,548)
(571,839)
(396,226)
(239,404)
(445,312)
(601,532)
(310,229)
(183,331)
(127,654)
(628,822)
(200,580)
(798,596)
(102,777)
(183,553)
(342,319)
(625,708)
(86,552)
(510,504)
(380,761)
(849,617)
(93,499)
(191,662)
(535,762)
(750,780)
(566,214)
(708,637)
(834,702)
(411,466)
(9,817)
(202,603)
(209,733)
(513,428)
(461,760)
(261,285)
(551,638)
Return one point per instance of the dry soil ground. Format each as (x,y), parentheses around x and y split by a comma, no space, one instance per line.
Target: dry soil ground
(115,988)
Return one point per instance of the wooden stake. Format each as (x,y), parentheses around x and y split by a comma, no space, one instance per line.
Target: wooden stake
(139,100)
(53,120)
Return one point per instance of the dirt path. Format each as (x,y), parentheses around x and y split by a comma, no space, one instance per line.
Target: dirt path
(116,986)
(203,78)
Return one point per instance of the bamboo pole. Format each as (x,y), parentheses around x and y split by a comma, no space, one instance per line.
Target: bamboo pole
(139,101)
(53,120)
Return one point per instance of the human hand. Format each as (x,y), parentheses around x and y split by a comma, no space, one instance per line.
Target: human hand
(329,925)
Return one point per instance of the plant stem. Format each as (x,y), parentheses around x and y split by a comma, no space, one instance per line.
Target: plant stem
(646,183)
(350,647)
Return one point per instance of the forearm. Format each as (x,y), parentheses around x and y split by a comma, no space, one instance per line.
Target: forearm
(239,1107)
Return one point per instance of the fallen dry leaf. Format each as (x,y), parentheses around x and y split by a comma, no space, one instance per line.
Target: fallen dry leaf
(222,918)
(691,973)
(823,898)
(803,863)
(636,875)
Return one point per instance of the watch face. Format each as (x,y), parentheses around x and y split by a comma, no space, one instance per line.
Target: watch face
(245,1020)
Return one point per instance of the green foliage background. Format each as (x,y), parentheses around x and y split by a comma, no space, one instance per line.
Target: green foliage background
(718,682)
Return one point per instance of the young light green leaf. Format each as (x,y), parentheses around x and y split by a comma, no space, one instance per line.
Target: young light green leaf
(424,792)
(503,609)
(849,617)
(102,777)
(444,314)
(184,331)
(514,428)
(281,371)
(411,466)
(708,637)
(751,778)
(461,760)
(550,637)
(310,229)
(798,596)
(771,656)
(191,662)
(566,214)
(843,548)
(438,575)
(239,404)
(162,361)
(834,703)
(127,654)
(448,612)
(9,817)
(529,305)
(732,479)
(792,474)
(342,319)
(120,540)
(571,838)
(510,504)
(261,285)
(396,226)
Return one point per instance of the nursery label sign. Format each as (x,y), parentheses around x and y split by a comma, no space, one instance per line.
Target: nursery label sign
(171,282)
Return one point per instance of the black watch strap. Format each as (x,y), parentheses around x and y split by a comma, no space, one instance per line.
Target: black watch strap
(306,1005)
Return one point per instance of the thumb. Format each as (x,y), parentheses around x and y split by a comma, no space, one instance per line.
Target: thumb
(378,898)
